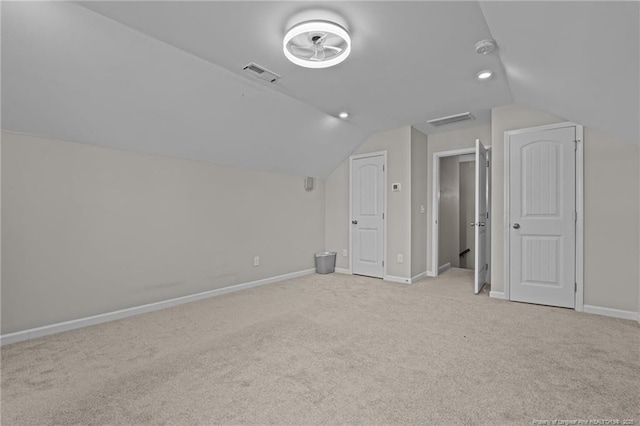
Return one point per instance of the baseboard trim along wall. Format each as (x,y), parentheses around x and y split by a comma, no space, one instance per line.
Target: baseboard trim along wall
(444,267)
(431,274)
(47,330)
(419,277)
(400,280)
(496,294)
(343,271)
(609,312)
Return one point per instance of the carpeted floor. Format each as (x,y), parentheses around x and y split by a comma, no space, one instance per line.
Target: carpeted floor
(332,349)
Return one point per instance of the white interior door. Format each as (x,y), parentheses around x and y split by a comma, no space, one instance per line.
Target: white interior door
(367,221)
(481,267)
(542,215)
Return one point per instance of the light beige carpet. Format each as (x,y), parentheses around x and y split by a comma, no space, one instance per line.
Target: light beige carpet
(332,349)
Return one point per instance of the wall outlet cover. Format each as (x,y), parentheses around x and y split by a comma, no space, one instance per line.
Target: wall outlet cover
(256,261)
(400,258)
(395,187)
(344,252)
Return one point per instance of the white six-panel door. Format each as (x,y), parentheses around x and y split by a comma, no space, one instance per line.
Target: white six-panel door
(542,216)
(367,220)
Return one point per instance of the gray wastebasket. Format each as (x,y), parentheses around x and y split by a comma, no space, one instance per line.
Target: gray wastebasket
(325,262)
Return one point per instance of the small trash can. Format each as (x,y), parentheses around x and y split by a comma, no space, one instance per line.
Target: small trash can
(325,262)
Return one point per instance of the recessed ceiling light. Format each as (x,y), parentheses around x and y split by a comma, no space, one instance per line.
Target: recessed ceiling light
(485,75)
(317,44)
(343,115)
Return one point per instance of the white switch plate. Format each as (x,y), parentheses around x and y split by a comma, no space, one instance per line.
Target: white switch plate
(344,252)
(421,209)
(400,258)
(256,261)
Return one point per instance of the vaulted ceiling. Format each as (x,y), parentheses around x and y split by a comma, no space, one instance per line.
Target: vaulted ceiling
(166,77)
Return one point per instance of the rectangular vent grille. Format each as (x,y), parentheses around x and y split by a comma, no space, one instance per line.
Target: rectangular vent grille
(261,72)
(451,119)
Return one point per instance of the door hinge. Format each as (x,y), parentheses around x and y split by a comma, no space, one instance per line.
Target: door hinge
(486,266)
(383,215)
(575,287)
(383,167)
(487,215)
(576,144)
(575,216)
(383,263)
(487,163)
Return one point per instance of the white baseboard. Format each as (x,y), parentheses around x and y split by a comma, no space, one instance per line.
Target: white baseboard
(609,312)
(497,294)
(397,279)
(431,274)
(343,271)
(444,267)
(418,277)
(46,330)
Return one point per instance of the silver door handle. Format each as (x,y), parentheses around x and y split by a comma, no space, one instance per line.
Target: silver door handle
(481,224)
(472,224)
(516,226)
(355,222)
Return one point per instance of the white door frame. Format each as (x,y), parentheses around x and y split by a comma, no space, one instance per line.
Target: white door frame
(435,203)
(384,207)
(579,272)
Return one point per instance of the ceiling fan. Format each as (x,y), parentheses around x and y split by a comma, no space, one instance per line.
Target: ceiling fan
(317,44)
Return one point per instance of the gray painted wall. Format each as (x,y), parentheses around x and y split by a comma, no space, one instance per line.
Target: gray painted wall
(88,230)
(419,183)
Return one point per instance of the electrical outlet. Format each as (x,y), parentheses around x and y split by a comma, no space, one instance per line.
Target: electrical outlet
(344,252)
(256,261)
(400,258)
(422,209)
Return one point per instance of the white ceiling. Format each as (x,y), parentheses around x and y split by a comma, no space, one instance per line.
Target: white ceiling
(578,60)
(166,77)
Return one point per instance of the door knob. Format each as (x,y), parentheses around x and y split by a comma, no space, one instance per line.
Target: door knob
(472,224)
(481,224)
(355,222)
(516,226)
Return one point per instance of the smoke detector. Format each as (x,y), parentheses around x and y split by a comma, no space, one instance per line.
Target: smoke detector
(317,44)
(484,47)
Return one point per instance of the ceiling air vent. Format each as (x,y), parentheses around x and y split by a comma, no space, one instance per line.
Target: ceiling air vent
(261,72)
(442,121)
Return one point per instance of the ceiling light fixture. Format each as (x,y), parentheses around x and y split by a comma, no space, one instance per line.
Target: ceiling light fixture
(485,75)
(317,44)
(343,115)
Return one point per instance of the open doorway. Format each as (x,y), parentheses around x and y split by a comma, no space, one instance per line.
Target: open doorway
(461,198)
(466,207)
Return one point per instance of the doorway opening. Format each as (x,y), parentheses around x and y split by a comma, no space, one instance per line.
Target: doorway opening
(461,221)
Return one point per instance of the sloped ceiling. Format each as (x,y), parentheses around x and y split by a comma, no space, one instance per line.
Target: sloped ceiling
(578,60)
(166,77)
